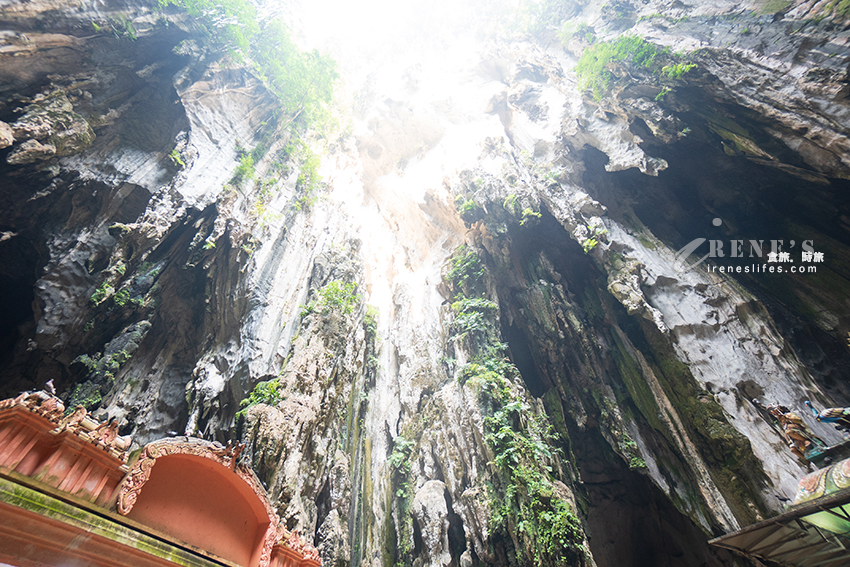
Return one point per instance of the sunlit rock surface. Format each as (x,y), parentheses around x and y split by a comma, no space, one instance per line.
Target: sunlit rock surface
(153,284)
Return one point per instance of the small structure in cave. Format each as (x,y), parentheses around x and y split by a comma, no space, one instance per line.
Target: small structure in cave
(801,441)
(69,492)
(813,532)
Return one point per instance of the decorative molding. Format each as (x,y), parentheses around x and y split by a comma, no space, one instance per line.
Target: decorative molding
(104,436)
(227,456)
(79,422)
(299,545)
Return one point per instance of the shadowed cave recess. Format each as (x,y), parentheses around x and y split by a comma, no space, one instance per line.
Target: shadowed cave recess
(442,304)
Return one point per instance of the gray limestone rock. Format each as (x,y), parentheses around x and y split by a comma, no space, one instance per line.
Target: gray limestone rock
(7,135)
(216,291)
(30,151)
(50,119)
(431,513)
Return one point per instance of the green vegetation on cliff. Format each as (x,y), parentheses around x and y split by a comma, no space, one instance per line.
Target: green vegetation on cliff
(267,392)
(335,296)
(521,441)
(595,67)
(303,81)
(524,494)
(840,7)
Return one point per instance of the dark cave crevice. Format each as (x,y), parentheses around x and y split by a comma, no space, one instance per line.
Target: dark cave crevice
(520,354)
(456,533)
(587,363)
(754,202)
(323,508)
(38,204)
(632,522)
(19,264)
(417,538)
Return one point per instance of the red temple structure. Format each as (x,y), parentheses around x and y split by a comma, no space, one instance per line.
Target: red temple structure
(69,496)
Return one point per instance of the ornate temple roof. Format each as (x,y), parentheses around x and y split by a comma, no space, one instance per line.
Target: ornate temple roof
(66,479)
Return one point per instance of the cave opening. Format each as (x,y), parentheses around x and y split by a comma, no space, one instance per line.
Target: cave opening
(19,264)
(632,522)
(701,183)
(417,538)
(323,508)
(456,533)
(548,254)
(520,354)
(25,225)
(754,201)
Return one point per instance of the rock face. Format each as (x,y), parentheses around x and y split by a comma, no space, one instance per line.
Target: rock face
(524,321)
(50,118)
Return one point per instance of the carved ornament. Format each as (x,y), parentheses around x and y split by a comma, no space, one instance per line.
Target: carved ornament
(79,422)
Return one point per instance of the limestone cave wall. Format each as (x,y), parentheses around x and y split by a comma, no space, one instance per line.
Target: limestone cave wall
(477,345)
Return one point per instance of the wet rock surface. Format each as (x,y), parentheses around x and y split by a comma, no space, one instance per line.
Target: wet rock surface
(50,118)
(379,387)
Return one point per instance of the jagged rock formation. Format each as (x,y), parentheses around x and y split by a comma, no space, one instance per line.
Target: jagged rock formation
(528,398)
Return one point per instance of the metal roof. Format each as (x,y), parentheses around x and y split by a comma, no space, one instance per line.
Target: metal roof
(811,534)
